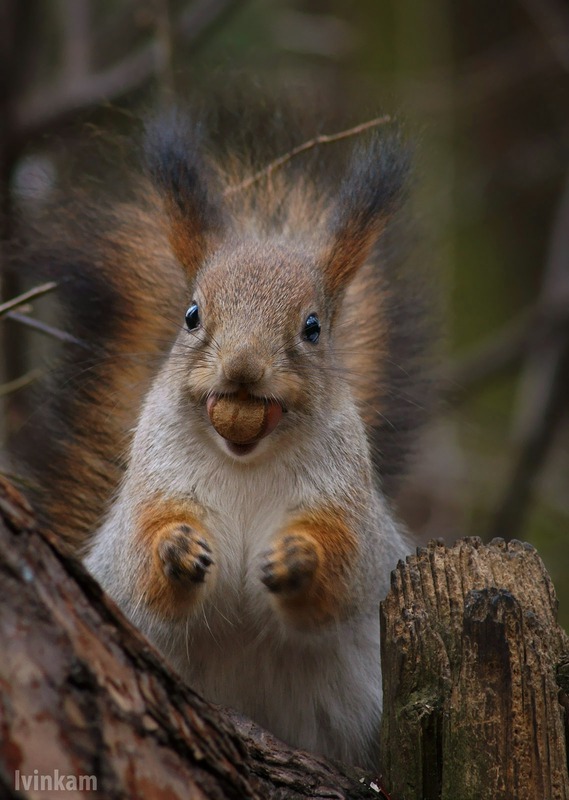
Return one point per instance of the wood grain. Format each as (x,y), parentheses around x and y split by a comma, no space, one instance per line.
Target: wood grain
(471,649)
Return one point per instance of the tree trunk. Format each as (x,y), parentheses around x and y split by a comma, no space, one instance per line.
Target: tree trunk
(473,663)
(83,695)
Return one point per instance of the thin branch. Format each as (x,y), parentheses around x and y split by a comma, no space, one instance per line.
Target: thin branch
(544,354)
(20,383)
(120,25)
(543,390)
(48,105)
(323,138)
(503,351)
(49,330)
(532,454)
(24,298)
(75,21)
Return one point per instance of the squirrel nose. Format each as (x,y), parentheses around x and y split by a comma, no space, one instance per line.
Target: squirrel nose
(243,365)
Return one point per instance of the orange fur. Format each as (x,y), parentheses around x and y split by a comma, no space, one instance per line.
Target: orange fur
(140,312)
(160,522)
(350,250)
(325,549)
(188,243)
(363,349)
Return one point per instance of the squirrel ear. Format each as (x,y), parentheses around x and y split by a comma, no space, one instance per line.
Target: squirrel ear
(369,195)
(182,177)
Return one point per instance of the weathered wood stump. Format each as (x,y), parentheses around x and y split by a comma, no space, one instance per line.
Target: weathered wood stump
(474,662)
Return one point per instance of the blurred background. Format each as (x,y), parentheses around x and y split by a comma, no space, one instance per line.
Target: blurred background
(484,90)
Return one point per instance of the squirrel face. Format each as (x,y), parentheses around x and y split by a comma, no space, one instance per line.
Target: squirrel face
(258,335)
(268,267)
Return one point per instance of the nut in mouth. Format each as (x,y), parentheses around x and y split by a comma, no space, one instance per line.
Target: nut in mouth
(243,419)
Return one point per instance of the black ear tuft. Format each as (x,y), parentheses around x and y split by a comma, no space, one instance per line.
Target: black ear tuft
(174,161)
(174,158)
(372,191)
(375,182)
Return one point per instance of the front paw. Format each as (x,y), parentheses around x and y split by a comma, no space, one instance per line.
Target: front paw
(185,555)
(290,566)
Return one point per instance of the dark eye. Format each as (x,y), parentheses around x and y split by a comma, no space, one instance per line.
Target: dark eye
(312,329)
(193,317)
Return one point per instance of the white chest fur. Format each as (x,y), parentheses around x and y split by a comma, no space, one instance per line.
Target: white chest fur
(317,691)
(320,691)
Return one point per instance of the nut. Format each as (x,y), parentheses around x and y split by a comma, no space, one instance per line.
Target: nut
(240,420)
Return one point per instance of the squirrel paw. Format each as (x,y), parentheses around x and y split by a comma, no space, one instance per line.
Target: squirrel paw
(185,555)
(289,567)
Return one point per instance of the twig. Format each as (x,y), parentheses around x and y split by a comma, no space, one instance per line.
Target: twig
(46,107)
(75,22)
(119,25)
(505,350)
(49,105)
(49,330)
(22,299)
(543,391)
(20,383)
(533,452)
(323,138)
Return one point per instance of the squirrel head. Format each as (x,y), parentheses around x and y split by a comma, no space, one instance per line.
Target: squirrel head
(267,270)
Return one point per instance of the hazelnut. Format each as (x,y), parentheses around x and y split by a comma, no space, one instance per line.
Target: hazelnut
(240,420)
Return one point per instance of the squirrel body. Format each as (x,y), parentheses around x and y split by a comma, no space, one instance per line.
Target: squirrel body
(256,567)
(303,664)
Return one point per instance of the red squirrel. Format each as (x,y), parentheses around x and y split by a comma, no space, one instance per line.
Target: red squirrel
(245,387)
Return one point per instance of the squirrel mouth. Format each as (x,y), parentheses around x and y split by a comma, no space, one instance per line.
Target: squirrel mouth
(243,419)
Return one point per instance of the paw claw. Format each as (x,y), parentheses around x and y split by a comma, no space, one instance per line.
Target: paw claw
(185,557)
(290,566)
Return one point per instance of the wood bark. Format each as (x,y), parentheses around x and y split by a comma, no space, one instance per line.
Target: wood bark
(83,693)
(476,684)
(476,672)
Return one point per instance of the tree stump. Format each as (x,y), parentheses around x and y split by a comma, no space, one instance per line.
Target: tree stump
(475,675)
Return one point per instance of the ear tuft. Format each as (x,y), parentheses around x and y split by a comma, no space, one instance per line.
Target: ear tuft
(372,191)
(174,160)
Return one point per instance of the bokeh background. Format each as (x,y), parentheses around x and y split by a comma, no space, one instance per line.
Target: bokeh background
(484,90)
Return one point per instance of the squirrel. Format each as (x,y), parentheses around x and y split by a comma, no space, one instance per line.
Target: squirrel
(244,387)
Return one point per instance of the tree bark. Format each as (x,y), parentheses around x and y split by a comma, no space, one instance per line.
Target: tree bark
(476,682)
(474,662)
(83,694)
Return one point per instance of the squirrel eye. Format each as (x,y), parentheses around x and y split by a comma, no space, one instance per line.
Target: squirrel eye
(312,328)
(192,317)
